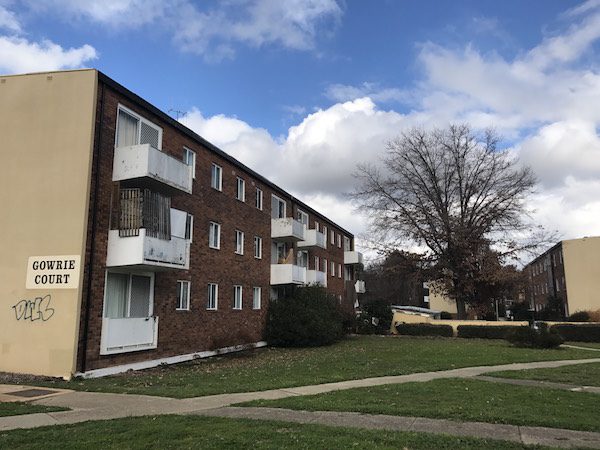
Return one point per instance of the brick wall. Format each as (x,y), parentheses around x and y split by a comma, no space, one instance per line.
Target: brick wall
(183,332)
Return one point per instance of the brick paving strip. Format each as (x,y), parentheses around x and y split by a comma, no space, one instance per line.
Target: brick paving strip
(102,406)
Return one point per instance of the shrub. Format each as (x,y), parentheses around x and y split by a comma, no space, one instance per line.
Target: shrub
(594,315)
(520,311)
(308,317)
(543,337)
(579,316)
(485,331)
(378,314)
(584,332)
(424,329)
(445,315)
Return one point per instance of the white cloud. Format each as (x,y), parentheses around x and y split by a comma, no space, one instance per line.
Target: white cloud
(8,21)
(210,30)
(19,55)
(344,93)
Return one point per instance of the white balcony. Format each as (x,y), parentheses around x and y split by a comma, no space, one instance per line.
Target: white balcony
(287,274)
(353,258)
(287,229)
(128,334)
(147,252)
(144,161)
(316,277)
(313,238)
(359,286)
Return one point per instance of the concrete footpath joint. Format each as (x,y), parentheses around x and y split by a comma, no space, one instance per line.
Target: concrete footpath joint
(101,406)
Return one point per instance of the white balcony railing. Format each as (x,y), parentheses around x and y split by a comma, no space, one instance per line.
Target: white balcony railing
(146,251)
(128,334)
(313,238)
(360,287)
(287,274)
(287,229)
(316,277)
(353,258)
(145,161)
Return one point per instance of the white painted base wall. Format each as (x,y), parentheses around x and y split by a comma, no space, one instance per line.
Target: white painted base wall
(97,373)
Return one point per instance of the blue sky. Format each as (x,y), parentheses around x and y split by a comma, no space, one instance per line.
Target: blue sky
(302,91)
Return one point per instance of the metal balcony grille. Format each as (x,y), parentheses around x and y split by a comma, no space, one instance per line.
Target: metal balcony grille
(144,209)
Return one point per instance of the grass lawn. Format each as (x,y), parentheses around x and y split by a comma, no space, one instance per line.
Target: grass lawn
(18,408)
(352,358)
(167,432)
(580,375)
(460,399)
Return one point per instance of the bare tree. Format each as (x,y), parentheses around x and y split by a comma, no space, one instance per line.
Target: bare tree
(456,194)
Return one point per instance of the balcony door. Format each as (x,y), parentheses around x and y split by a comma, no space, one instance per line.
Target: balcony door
(128,295)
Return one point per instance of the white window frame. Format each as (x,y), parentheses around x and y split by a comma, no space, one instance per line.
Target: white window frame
(339,270)
(325,266)
(214,304)
(332,269)
(256,299)
(332,237)
(216,177)
(257,247)
(183,306)
(139,131)
(214,230)
(339,240)
(186,155)
(259,199)
(302,217)
(238,297)
(280,200)
(189,227)
(317,226)
(130,274)
(240,189)
(317,261)
(239,242)
(325,233)
(347,244)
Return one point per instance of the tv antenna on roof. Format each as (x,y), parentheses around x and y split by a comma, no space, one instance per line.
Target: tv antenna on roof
(177,113)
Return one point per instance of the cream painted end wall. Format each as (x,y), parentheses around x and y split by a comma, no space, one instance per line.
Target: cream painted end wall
(46,136)
(582,273)
(439,302)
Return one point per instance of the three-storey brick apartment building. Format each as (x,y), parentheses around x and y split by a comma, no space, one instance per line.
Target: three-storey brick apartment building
(129,241)
(569,271)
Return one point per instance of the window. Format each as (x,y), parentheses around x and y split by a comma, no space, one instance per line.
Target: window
(256,300)
(347,244)
(189,158)
(302,259)
(132,129)
(239,242)
(332,269)
(183,295)
(128,295)
(339,240)
(317,226)
(317,260)
(240,192)
(332,237)
(347,273)
(325,234)
(214,235)
(237,297)
(213,296)
(339,271)
(189,227)
(216,177)
(257,247)
(278,208)
(259,199)
(302,217)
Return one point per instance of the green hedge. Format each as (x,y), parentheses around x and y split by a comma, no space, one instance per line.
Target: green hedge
(544,337)
(486,331)
(581,332)
(424,329)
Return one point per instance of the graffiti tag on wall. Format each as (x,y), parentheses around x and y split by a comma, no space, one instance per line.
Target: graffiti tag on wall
(36,309)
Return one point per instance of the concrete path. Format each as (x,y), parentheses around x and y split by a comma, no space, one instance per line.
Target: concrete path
(541,383)
(552,437)
(101,406)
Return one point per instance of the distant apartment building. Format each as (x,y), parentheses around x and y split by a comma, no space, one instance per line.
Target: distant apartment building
(569,271)
(128,240)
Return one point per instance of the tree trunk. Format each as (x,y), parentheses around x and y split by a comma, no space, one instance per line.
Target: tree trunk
(461,309)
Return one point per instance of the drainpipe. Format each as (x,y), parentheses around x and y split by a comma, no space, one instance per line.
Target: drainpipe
(88,298)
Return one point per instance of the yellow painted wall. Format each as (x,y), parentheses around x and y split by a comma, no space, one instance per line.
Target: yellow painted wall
(439,302)
(401,317)
(46,135)
(582,273)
